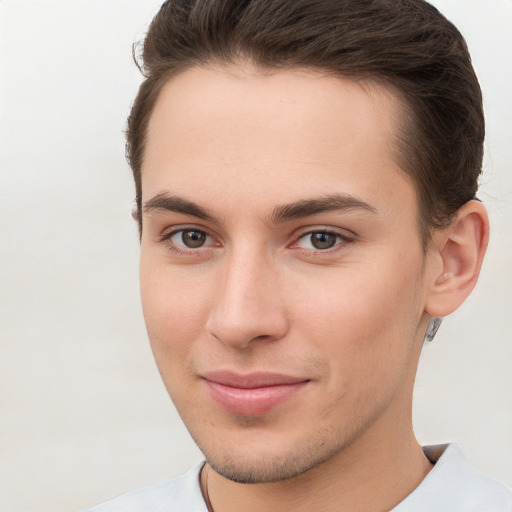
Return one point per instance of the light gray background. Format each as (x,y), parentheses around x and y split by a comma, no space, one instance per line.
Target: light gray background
(83,414)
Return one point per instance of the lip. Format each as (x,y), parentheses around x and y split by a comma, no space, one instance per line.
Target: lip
(251,394)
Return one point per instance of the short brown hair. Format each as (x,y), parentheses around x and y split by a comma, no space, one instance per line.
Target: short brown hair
(406,44)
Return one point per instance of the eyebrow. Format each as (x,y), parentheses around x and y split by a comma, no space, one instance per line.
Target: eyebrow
(307,207)
(281,213)
(176,204)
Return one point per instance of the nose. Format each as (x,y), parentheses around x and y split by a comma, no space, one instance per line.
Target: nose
(248,305)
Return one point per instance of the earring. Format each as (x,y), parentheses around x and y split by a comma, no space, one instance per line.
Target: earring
(432,329)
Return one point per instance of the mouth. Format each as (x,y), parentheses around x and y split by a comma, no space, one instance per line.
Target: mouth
(251,394)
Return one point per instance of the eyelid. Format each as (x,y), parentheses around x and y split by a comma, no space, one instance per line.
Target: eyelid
(172,230)
(166,238)
(342,235)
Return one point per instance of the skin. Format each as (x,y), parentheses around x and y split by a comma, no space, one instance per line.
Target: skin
(257,296)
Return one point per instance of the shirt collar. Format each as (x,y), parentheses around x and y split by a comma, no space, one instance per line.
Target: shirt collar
(454,485)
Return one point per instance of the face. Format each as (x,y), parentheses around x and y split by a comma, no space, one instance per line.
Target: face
(282,271)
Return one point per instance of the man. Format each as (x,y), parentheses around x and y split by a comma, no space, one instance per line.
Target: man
(306,176)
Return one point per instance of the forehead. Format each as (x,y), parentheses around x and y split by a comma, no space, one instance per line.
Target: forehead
(271,136)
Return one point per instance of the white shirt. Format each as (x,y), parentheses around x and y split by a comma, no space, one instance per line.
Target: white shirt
(453,485)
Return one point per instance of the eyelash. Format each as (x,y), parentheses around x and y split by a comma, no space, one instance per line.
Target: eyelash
(166,239)
(341,239)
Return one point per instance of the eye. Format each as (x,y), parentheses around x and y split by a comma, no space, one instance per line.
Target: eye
(189,239)
(320,240)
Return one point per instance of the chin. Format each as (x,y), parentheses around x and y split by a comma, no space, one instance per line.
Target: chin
(268,462)
(248,470)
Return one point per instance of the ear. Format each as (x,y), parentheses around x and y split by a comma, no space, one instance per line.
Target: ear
(456,257)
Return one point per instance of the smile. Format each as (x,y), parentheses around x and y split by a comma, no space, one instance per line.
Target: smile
(251,395)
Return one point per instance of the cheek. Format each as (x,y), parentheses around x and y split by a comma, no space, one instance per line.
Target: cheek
(364,331)
(364,319)
(175,306)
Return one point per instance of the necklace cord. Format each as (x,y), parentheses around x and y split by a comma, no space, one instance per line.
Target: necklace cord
(206,494)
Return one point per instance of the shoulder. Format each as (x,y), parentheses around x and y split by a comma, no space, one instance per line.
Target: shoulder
(176,495)
(455,485)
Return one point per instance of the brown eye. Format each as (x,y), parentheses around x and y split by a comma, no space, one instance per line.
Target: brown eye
(320,240)
(190,242)
(323,240)
(192,238)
